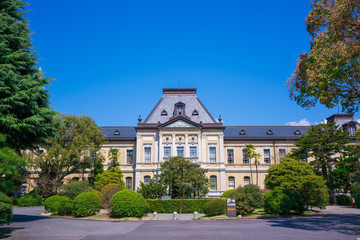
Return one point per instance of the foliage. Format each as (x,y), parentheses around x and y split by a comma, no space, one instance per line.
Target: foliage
(244,203)
(291,174)
(86,204)
(113,155)
(354,188)
(26,118)
(322,142)
(173,205)
(357,200)
(67,153)
(74,188)
(250,151)
(329,73)
(153,190)
(127,203)
(58,205)
(6,213)
(177,171)
(215,207)
(108,191)
(30,200)
(340,175)
(257,199)
(5,199)
(12,168)
(113,175)
(344,200)
(297,201)
(277,202)
(228,193)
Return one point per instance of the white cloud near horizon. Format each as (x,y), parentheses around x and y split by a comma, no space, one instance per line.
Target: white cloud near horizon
(302,122)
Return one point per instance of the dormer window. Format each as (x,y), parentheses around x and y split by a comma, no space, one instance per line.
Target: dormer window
(351,131)
(297,132)
(242,132)
(117,132)
(179,109)
(269,132)
(164,113)
(195,113)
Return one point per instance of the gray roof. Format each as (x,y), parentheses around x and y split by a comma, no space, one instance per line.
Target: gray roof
(171,97)
(125,132)
(261,131)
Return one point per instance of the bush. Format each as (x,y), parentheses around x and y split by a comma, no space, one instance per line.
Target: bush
(113,175)
(5,199)
(244,203)
(6,213)
(344,200)
(86,204)
(357,200)
(58,205)
(13,200)
(173,205)
(277,202)
(30,200)
(228,193)
(74,188)
(108,191)
(252,190)
(128,203)
(354,189)
(297,202)
(215,207)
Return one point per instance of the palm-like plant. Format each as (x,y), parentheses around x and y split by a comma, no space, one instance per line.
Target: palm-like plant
(250,151)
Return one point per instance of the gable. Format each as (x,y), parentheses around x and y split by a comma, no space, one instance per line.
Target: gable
(180,123)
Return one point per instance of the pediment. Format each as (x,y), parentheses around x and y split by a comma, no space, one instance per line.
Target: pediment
(179,124)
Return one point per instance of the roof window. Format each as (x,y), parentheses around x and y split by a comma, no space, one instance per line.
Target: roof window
(269,132)
(195,113)
(297,132)
(164,113)
(242,132)
(117,132)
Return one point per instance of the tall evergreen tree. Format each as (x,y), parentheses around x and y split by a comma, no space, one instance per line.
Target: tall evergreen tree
(25,116)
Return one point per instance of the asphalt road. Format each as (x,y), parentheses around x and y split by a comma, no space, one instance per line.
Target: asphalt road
(340,223)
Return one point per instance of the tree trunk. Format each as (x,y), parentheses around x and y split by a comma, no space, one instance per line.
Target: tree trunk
(182,200)
(251,175)
(257,175)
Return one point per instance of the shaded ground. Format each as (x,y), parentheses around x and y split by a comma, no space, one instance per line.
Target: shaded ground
(340,223)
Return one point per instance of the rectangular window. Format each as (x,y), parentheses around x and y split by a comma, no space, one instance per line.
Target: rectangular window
(93,156)
(231,182)
(351,131)
(167,152)
(193,152)
(213,183)
(246,158)
(230,156)
(282,154)
(267,159)
(180,151)
(147,180)
(147,151)
(128,183)
(212,154)
(129,156)
(246,181)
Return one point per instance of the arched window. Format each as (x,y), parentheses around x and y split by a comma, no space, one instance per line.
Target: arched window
(246,180)
(213,183)
(128,183)
(231,181)
(147,180)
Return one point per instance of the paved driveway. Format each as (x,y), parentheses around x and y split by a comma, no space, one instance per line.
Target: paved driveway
(340,223)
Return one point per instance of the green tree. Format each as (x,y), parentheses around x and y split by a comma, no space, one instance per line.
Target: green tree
(12,168)
(250,151)
(113,175)
(323,142)
(329,73)
(67,153)
(291,174)
(177,173)
(340,174)
(25,116)
(153,190)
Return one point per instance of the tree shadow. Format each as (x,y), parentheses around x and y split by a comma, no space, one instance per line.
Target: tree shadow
(5,232)
(27,218)
(345,223)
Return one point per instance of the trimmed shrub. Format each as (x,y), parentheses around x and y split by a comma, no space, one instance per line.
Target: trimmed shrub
(344,200)
(245,203)
(13,200)
(6,213)
(74,188)
(173,205)
(58,205)
(128,203)
(357,200)
(228,193)
(113,175)
(86,204)
(257,197)
(30,200)
(108,191)
(297,202)
(215,207)
(5,199)
(277,202)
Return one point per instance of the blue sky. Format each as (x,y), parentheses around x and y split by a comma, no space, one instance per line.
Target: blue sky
(111,59)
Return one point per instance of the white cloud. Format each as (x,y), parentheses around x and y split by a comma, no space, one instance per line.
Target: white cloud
(302,122)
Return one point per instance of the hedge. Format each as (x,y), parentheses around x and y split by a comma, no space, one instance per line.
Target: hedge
(5,199)
(58,205)
(344,200)
(173,205)
(228,193)
(30,200)
(277,202)
(6,213)
(357,200)
(127,203)
(86,204)
(215,207)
